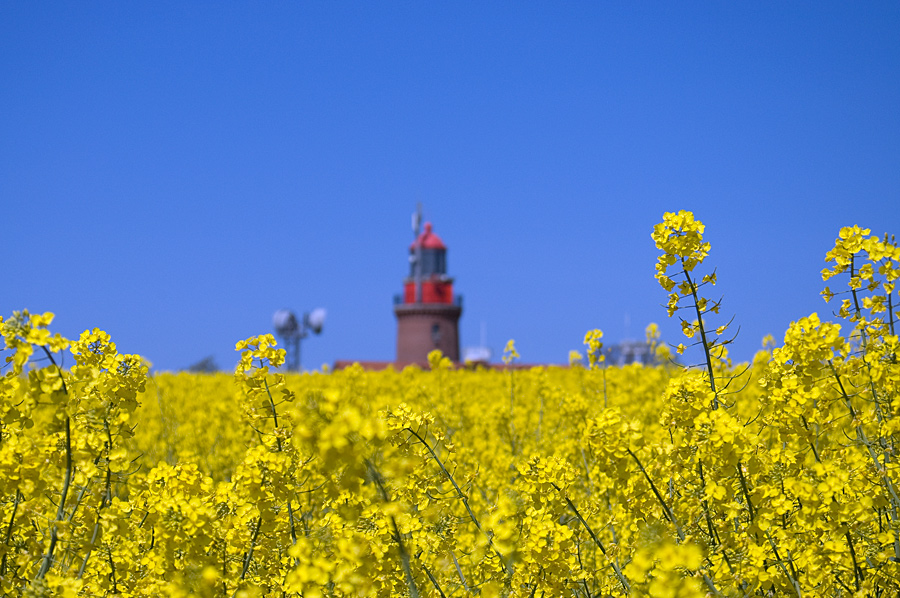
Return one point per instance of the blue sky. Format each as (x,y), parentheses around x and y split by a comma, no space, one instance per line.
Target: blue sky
(175,172)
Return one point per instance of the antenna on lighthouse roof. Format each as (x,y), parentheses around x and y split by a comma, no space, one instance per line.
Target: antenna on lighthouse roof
(417,227)
(417,219)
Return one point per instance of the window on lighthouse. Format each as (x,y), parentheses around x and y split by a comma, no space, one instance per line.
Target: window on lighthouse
(434,262)
(436,333)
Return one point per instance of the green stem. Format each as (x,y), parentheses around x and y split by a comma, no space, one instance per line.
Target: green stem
(713,532)
(459,572)
(744,489)
(811,443)
(792,578)
(860,324)
(280,449)
(61,510)
(9,529)
(459,493)
(375,476)
(603,368)
(249,556)
(67,480)
(857,572)
(890,297)
(670,516)
(434,581)
(879,469)
(513,437)
(105,501)
(709,367)
(596,540)
(112,574)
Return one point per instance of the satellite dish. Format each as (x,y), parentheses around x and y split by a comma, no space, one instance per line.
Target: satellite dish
(293,331)
(285,323)
(316,319)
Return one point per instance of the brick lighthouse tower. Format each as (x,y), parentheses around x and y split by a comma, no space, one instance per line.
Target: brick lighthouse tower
(428,315)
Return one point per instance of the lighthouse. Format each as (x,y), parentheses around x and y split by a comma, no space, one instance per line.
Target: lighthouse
(427,311)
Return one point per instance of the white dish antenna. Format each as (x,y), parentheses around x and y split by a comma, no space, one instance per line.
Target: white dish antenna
(315,320)
(285,323)
(292,330)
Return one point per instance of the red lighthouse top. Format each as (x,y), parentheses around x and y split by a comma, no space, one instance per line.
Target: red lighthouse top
(428,240)
(428,281)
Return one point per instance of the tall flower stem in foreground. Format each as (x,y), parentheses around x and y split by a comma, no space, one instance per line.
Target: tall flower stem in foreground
(680,237)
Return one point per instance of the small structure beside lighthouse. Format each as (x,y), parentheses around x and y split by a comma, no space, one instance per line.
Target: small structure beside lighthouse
(427,312)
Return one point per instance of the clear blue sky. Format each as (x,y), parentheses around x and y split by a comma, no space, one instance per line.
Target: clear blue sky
(174,172)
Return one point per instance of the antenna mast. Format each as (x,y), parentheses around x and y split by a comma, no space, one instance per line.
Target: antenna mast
(417,226)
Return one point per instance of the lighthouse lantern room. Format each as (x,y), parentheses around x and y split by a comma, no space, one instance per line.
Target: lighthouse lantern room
(428,314)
